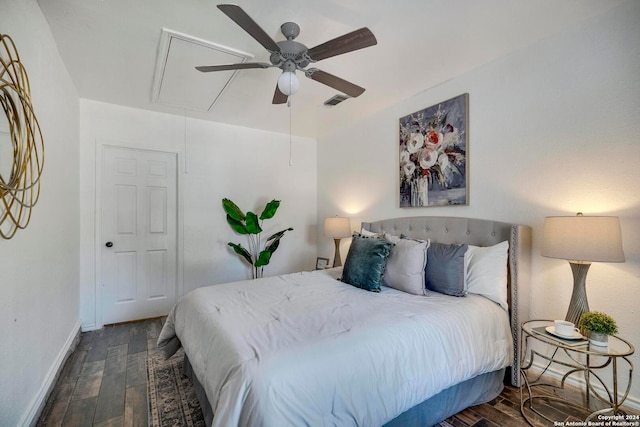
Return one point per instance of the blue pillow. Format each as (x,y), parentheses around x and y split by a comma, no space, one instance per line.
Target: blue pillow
(445,271)
(365,263)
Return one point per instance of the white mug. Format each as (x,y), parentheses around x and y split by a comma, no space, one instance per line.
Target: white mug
(565,328)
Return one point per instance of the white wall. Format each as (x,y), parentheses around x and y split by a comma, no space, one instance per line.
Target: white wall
(248,166)
(39,267)
(553,129)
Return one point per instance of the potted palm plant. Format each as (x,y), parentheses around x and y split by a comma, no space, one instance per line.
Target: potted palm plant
(598,326)
(251,225)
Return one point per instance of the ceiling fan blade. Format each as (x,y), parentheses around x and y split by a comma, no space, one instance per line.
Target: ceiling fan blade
(241,18)
(335,82)
(354,40)
(279,97)
(226,67)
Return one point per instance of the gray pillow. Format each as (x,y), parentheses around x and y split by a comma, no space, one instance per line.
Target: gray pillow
(445,271)
(406,265)
(366,262)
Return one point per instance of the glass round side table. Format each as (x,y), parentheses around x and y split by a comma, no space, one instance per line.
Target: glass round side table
(580,358)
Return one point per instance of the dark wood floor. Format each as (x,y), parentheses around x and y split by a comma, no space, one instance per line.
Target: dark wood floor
(104,383)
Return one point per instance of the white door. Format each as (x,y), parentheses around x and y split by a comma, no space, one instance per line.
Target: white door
(139,215)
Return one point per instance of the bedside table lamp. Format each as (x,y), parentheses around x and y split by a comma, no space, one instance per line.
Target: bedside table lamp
(337,228)
(582,240)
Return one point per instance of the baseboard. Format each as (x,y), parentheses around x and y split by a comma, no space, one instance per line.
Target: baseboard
(632,402)
(89,327)
(30,418)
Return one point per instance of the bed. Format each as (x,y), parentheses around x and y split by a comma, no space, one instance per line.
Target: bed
(309,349)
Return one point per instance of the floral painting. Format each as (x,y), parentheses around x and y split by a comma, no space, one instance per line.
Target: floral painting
(433,155)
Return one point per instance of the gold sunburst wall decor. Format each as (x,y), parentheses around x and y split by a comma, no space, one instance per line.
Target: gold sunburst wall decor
(21,143)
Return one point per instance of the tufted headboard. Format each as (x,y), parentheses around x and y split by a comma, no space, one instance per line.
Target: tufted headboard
(478,232)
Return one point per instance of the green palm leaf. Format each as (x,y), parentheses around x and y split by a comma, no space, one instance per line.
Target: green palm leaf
(232,210)
(270,210)
(273,241)
(237,226)
(240,250)
(263,258)
(253,224)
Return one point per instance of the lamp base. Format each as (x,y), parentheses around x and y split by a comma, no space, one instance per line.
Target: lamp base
(337,259)
(578,304)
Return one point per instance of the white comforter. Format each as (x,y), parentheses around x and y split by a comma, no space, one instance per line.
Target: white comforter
(306,349)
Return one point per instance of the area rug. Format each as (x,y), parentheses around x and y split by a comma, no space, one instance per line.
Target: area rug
(172,399)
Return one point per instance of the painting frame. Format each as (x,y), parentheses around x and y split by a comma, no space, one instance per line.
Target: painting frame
(433,155)
(322,263)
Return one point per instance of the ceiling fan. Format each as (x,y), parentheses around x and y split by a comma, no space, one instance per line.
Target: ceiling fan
(290,55)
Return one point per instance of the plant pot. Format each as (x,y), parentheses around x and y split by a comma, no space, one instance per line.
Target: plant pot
(599,339)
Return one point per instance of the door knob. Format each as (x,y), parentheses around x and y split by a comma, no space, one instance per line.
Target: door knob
(109,244)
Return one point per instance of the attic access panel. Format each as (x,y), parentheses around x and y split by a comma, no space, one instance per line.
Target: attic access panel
(177,83)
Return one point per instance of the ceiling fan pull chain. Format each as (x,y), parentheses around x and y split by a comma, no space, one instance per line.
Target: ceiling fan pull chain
(184,141)
(290,138)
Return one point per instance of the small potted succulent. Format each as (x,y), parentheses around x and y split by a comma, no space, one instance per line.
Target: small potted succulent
(598,327)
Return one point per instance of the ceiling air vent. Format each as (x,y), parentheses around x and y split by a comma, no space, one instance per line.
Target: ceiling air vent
(335,100)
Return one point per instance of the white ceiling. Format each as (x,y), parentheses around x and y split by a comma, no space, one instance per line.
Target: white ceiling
(110,49)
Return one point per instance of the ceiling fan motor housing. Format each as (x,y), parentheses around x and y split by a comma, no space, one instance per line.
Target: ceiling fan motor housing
(290,51)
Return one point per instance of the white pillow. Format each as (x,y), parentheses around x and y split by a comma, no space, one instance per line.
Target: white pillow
(390,237)
(487,272)
(405,265)
(367,233)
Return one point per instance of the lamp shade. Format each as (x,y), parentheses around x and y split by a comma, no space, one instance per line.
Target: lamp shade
(583,238)
(337,227)
(288,83)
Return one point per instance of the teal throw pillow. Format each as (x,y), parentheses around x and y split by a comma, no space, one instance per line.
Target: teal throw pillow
(365,263)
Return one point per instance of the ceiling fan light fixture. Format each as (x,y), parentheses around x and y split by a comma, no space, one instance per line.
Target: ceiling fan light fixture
(290,55)
(288,83)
